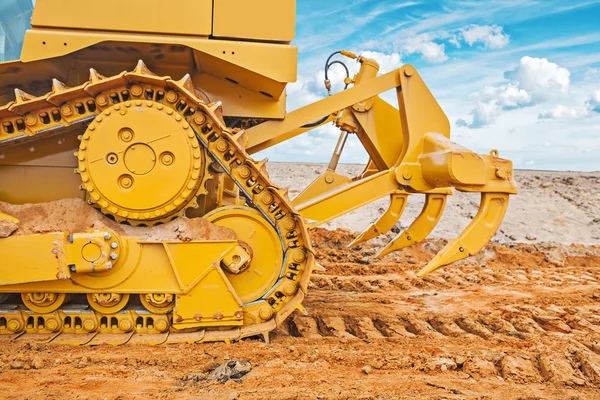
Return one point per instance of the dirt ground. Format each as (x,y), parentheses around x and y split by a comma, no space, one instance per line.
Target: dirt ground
(520,320)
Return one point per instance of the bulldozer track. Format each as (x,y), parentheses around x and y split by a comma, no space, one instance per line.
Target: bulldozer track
(29,118)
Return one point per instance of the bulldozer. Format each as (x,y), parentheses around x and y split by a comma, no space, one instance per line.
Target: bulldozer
(137,121)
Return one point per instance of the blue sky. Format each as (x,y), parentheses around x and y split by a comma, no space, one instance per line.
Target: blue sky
(521,76)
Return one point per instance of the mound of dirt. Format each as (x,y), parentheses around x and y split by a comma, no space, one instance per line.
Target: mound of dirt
(75,215)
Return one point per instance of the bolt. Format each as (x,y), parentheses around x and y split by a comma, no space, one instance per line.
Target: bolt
(299,256)
(114,245)
(161,326)
(136,90)
(30,120)
(265,313)
(89,325)
(109,265)
(126,182)
(126,136)
(329,178)
(289,288)
(51,324)
(102,100)
(125,325)
(66,110)
(14,325)
(113,255)
(106,236)
(171,96)
(267,198)
(199,119)
(244,172)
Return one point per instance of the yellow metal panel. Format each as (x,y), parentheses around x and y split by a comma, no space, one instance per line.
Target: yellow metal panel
(182,17)
(255,57)
(22,265)
(269,20)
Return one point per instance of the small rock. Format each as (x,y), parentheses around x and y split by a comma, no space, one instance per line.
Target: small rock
(233,396)
(7,227)
(518,369)
(16,365)
(234,370)
(364,261)
(441,364)
(37,363)
(479,368)
(529,236)
(292,348)
(367,369)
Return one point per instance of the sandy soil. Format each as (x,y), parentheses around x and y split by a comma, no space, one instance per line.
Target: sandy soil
(517,321)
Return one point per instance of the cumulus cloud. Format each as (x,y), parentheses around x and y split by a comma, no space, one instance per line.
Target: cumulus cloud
(540,77)
(490,36)
(533,81)
(592,105)
(559,112)
(506,96)
(387,62)
(424,45)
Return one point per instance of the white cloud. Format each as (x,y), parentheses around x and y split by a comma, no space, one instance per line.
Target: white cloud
(592,104)
(559,112)
(540,77)
(535,80)
(454,40)
(506,96)
(423,44)
(491,36)
(484,114)
(492,100)
(387,62)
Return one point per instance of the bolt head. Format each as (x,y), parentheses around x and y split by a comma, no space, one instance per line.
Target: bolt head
(106,236)
(109,265)
(113,255)
(114,245)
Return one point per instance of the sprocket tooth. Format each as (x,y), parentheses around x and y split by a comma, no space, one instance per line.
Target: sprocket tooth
(216,108)
(284,193)
(142,69)
(22,96)
(58,87)
(241,139)
(187,84)
(262,166)
(95,77)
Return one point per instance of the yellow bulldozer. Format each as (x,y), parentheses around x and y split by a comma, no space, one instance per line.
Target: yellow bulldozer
(164,228)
